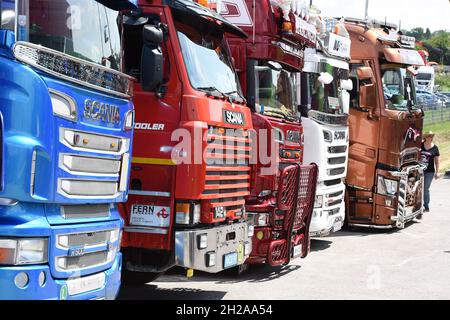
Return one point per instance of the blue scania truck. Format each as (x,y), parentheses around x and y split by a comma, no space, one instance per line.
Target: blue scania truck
(66,127)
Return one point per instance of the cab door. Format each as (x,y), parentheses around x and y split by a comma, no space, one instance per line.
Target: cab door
(364,127)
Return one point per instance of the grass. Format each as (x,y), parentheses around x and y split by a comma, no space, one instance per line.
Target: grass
(442,140)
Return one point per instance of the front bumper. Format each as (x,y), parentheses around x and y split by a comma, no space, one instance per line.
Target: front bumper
(328,219)
(223,242)
(61,289)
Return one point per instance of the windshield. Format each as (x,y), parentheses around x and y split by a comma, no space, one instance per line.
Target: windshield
(398,88)
(7,14)
(327,98)
(208,61)
(83,29)
(423,76)
(276,90)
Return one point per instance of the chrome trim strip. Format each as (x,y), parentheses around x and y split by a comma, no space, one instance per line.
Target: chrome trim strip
(150,193)
(124,172)
(62,165)
(33,172)
(101,68)
(371,226)
(124,148)
(73,105)
(146,230)
(103,196)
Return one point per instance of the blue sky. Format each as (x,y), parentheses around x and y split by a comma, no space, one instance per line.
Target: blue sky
(434,14)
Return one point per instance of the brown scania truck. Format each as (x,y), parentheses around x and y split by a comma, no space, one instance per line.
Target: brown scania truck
(385,178)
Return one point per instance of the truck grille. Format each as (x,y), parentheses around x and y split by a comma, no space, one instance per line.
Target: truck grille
(227,168)
(88,260)
(296,199)
(93,249)
(103,176)
(410,192)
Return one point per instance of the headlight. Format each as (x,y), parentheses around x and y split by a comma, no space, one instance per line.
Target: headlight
(327,136)
(129,120)
(387,186)
(262,219)
(318,203)
(187,213)
(258,219)
(63,105)
(23,251)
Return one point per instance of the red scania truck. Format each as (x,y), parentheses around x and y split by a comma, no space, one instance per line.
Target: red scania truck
(190,166)
(269,64)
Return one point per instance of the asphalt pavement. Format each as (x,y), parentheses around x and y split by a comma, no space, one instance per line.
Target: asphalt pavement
(412,263)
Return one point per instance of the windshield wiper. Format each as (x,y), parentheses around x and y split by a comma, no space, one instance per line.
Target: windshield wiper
(210,90)
(238,93)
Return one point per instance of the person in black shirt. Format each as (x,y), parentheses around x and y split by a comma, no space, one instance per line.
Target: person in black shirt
(430,159)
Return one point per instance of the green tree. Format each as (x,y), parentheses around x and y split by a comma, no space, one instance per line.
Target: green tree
(427,34)
(441,40)
(417,33)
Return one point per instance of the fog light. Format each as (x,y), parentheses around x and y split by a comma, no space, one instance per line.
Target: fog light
(210,259)
(388,202)
(21,280)
(260,235)
(251,231)
(42,278)
(219,213)
(247,248)
(202,241)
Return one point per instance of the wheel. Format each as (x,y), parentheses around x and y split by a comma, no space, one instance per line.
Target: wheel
(137,278)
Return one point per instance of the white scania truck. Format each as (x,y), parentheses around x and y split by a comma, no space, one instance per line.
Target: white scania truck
(325,108)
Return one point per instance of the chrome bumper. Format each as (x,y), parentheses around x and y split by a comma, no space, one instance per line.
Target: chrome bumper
(222,242)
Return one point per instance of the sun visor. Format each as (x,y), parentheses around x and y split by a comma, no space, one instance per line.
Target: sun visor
(403,56)
(194,9)
(119,5)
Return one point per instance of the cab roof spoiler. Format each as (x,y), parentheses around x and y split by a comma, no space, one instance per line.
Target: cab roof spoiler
(194,8)
(371,23)
(119,5)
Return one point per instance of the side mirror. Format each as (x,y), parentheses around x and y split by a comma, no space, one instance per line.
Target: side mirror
(365,73)
(367,97)
(152,61)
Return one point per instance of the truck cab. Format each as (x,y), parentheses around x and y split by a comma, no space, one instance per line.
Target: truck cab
(325,108)
(384,178)
(269,63)
(190,168)
(425,78)
(66,131)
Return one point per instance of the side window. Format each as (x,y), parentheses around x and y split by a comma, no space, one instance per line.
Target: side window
(7,14)
(354,93)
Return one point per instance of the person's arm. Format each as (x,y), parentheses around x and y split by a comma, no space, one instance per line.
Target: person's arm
(436,166)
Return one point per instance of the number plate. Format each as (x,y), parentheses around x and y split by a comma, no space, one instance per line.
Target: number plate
(297,251)
(337,226)
(230,260)
(149,216)
(85,284)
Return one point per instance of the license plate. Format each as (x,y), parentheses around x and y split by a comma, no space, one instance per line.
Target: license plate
(337,226)
(149,216)
(297,251)
(230,260)
(85,284)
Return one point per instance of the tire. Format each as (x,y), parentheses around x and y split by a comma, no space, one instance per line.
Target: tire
(138,278)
